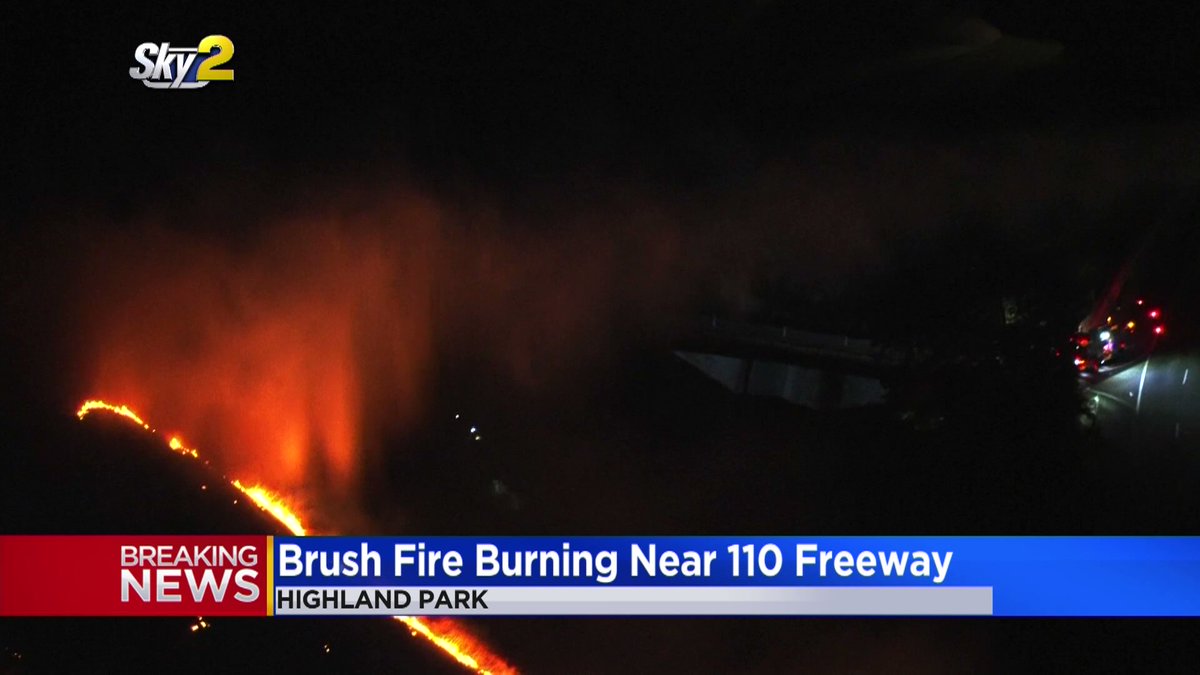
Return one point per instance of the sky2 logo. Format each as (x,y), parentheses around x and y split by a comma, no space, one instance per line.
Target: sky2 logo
(166,67)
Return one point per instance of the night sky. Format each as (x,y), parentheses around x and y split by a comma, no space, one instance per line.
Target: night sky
(503,93)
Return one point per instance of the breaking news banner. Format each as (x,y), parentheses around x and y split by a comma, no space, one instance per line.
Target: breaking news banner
(599,576)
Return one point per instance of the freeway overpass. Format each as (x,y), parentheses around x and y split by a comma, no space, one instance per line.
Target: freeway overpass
(818,370)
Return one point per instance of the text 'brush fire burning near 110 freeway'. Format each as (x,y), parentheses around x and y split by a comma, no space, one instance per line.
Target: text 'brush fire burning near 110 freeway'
(448,636)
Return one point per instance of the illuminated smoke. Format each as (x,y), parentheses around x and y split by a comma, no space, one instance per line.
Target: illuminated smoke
(258,348)
(297,348)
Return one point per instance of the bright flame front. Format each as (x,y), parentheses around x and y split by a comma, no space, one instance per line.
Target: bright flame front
(273,504)
(123,411)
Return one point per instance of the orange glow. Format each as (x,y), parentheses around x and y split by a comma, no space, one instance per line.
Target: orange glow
(295,352)
(445,634)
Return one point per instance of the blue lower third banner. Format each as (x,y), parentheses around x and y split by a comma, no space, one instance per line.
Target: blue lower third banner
(736,576)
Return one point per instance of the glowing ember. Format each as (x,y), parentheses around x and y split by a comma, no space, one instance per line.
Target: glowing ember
(445,635)
(178,446)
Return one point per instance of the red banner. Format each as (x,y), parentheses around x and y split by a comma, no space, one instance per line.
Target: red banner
(109,575)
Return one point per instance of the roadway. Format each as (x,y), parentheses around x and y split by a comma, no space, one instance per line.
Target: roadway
(1156,398)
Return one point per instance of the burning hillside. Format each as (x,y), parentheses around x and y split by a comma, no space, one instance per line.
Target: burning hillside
(448,636)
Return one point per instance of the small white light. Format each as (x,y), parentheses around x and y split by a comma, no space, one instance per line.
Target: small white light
(473,429)
(1104,335)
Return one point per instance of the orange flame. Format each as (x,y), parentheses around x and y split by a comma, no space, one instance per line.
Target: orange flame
(447,635)
(457,643)
(178,446)
(273,504)
(123,411)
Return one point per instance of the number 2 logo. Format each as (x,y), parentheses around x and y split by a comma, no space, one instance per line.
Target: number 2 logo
(208,70)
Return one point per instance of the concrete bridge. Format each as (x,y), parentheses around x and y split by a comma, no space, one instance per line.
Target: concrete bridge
(818,370)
